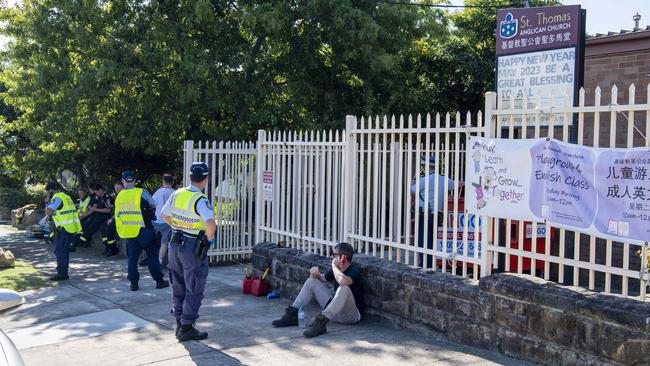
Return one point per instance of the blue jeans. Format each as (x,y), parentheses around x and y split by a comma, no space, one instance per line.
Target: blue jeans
(165,232)
(62,242)
(146,240)
(432,237)
(188,274)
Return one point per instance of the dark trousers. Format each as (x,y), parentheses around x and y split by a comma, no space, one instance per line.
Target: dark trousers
(109,233)
(92,224)
(62,241)
(144,241)
(188,274)
(431,237)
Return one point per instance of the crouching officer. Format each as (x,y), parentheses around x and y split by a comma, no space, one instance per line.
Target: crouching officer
(134,213)
(66,221)
(191,218)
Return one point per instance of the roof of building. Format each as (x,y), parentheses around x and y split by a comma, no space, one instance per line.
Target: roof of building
(621,32)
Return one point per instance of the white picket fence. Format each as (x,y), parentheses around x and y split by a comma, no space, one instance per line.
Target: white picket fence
(231,190)
(573,258)
(362,185)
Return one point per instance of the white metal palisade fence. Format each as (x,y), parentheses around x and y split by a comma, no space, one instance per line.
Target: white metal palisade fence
(303,205)
(362,185)
(231,190)
(327,187)
(391,168)
(565,256)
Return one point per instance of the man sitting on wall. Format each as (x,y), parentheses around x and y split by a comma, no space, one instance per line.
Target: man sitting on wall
(346,306)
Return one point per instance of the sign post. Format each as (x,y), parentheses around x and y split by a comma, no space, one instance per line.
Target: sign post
(540,55)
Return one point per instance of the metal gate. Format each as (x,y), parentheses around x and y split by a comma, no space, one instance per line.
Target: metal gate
(231,189)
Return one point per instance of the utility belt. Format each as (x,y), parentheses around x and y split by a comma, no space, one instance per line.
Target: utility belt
(200,242)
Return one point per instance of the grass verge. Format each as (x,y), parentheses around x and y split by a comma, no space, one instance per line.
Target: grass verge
(22,277)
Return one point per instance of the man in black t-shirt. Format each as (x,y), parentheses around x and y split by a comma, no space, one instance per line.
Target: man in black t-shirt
(99,210)
(345,306)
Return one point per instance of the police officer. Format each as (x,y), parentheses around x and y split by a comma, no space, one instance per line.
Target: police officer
(134,213)
(66,220)
(189,214)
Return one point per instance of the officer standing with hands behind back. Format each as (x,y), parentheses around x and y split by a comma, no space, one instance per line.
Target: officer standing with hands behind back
(66,220)
(134,214)
(189,213)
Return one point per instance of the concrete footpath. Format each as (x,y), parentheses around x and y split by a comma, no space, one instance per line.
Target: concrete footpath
(95,319)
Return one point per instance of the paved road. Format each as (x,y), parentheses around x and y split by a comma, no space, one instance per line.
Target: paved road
(95,319)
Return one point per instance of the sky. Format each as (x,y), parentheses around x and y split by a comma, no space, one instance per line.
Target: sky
(608,15)
(602,15)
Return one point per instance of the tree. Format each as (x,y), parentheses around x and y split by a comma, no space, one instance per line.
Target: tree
(102,86)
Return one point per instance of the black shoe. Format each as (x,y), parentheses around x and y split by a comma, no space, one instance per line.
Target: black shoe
(178,327)
(289,318)
(58,277)
(112,251)
(162,283)
(134,286)
(142,263)
(318,327)
(105,250)
(189,333)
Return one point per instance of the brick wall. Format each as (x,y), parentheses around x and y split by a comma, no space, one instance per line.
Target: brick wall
(517,315)
(619,60)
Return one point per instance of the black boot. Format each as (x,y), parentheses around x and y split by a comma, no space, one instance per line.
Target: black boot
(161,283)
(178,327)
(134,286)
(189,333)
(318,327)
(289,318)
(58,277)
(112,250)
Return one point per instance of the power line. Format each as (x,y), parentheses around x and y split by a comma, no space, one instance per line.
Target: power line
(449,6)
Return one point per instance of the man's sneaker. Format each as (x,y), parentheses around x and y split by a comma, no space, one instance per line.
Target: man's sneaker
(134,286)
(59,277)
(189,333)
(289,318)
(318,327)
(178,327)
(162,283)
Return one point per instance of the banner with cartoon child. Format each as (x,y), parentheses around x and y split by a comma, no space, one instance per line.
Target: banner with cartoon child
(498,178)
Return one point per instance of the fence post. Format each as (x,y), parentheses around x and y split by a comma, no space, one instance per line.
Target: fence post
(188,147)
(486,227)
(490,106)
(259,199)
(348,160)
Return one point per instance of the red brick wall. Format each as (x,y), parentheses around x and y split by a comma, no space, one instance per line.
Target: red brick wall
(620,69)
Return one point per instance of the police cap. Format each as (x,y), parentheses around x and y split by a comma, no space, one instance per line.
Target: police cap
(128,176)
(199,169)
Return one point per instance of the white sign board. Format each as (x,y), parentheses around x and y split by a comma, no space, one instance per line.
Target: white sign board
(538,74)
(267,180)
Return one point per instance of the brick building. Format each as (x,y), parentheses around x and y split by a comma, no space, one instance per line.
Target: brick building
(618,59)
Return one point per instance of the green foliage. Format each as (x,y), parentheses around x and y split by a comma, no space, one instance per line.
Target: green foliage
(103,86)
(13,198)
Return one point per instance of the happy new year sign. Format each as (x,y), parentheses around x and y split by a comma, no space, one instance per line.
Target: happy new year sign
(605,192)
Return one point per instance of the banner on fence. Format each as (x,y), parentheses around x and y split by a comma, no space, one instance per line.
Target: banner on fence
(473,234)
(605,192)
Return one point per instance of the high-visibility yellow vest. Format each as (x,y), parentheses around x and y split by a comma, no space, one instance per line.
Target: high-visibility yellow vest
(128,215)
(66,217)
(184,216)
(83,205)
